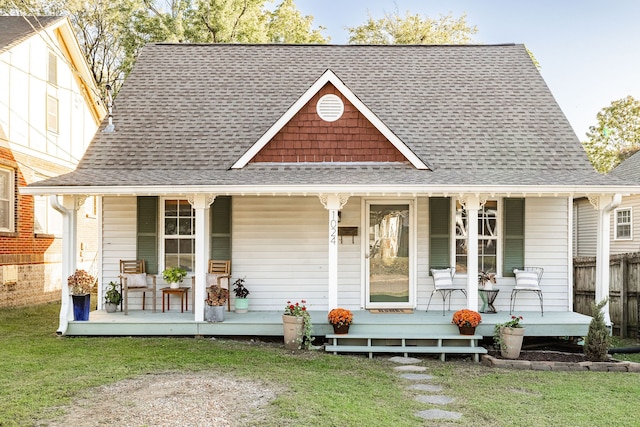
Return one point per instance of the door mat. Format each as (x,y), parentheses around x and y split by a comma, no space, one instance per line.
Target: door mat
(391,311)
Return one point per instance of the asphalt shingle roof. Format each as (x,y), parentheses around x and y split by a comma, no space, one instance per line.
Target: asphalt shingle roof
(628,170)
(15,29)
(479,114)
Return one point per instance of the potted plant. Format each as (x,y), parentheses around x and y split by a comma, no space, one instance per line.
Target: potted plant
(508,337)
(241,293)
(340,319)
(215,302)
(297,326)
(112,298)
(174,276)
(486,280)
(80,284)
(466,320)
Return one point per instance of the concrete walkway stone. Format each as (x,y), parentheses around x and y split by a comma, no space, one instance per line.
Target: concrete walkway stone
(417,377)
(435,399)
(426,387)
(405,360)
(410,368)
(438,414)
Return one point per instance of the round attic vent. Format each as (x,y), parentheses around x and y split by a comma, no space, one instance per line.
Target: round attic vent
(330,108)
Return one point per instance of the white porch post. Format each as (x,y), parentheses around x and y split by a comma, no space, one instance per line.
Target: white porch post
(472,206)
(333,203)
(69,209)
(604,204)
(201,203)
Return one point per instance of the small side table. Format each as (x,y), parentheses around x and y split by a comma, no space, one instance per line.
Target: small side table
(488,296)
(184,297)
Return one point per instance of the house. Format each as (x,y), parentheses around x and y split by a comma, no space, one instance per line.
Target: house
(337,174)
(625,224)
(49,111)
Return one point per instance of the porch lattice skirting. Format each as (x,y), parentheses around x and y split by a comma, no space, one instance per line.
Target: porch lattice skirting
(406,343)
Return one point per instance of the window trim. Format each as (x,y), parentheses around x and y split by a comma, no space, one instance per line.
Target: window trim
(163,237)
(11,199)
(616,224)
(499,238)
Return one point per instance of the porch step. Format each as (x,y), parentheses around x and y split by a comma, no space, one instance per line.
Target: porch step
(405,343)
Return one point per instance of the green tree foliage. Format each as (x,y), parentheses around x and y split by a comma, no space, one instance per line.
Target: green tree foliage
(616,136)
(596,344)
(112,33)
(412,29)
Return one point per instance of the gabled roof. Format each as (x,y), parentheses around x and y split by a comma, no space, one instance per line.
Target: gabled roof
(478,115)
(61,40)
(328,77)
(15,29)
(629,170)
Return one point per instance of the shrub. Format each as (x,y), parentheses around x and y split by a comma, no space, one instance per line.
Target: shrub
(596,344)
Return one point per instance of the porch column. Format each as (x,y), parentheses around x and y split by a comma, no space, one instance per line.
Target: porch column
(69,210)
(604,205)
(472,204)
(201,203)
(333,203)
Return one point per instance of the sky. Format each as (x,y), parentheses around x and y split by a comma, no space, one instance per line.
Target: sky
(589,50)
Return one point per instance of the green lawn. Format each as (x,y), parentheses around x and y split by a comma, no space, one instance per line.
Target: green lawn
(40,372)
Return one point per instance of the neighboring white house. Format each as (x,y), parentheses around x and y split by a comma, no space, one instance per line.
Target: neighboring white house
(339,174)
(625,219)
(49,111)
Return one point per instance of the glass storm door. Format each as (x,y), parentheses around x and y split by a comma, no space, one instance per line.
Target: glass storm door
(388,255)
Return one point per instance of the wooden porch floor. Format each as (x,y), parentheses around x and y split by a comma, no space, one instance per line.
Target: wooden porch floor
(269,323)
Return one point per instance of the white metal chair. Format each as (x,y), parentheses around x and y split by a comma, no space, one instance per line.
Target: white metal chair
(443,283)
(527,280)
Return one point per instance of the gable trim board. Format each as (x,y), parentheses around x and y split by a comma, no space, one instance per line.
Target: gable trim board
(329,77)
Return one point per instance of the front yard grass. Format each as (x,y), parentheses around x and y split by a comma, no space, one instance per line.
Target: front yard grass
(40,372)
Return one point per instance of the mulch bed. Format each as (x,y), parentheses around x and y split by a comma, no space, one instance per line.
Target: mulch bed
(546,356)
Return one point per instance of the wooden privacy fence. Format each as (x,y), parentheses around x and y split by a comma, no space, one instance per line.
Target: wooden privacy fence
(624,290)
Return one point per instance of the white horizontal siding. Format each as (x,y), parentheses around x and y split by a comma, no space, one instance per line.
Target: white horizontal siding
(119,241)
(118,234)
(547,243)
(585,228)
(280,245)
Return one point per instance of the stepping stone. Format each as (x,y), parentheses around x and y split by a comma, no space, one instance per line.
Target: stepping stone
(410,368)
(404,360)
(438,414)
(417,377)
(435,399)
(426,387)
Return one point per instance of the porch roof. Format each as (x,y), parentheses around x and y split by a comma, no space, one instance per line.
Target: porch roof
(480,115)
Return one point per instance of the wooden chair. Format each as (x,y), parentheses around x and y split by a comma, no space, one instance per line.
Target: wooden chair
(527,280)
(218,274)
(133,278)
(443,283)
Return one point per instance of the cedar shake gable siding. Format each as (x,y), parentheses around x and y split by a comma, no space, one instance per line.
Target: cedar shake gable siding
(306,138)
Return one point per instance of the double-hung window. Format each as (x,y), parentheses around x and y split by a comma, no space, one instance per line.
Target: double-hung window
(623,224)
(488,237)
(179,220)
(7,196)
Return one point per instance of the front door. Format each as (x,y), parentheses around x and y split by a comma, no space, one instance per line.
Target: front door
(388,255)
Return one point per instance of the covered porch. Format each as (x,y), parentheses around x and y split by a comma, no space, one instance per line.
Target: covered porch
(269,323)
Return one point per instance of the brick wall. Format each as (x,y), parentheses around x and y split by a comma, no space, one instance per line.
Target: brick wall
(308,138)
(38,257)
